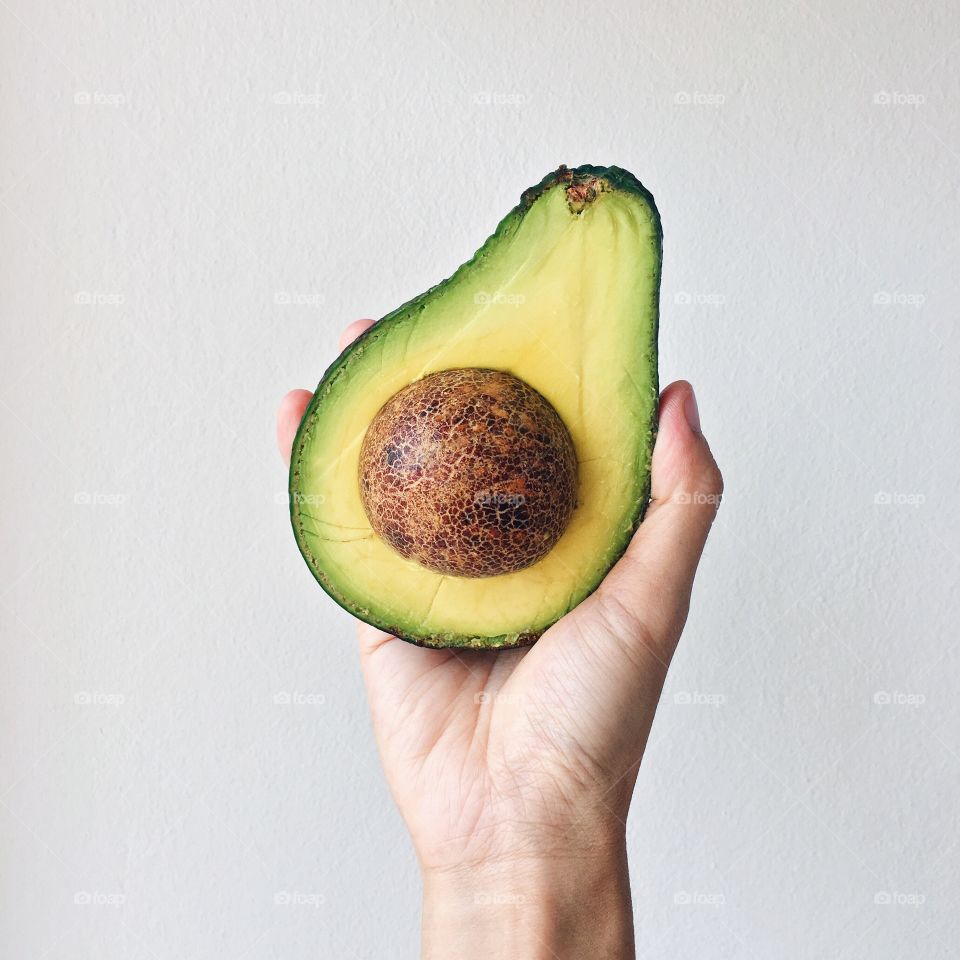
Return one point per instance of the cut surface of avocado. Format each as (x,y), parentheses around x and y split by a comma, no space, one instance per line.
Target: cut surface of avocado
(564,297)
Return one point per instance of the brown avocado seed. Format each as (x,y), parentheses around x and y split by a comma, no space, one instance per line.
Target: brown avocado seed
(470,472)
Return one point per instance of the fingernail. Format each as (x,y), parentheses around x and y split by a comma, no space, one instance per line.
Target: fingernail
(692,412)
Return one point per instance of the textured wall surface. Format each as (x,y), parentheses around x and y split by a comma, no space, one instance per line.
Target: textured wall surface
(197,197)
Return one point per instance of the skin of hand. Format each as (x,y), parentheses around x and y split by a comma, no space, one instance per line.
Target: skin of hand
(514,771)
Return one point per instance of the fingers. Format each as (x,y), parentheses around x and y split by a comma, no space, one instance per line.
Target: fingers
(354,331)
(650,585)
(294,404)
(289,415)
(369,638)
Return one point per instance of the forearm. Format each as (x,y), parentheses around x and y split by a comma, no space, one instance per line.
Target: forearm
(553,908)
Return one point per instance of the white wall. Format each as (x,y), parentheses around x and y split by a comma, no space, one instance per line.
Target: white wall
(810,291)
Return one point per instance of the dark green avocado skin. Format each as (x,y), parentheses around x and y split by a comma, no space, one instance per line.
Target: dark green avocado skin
(620,180)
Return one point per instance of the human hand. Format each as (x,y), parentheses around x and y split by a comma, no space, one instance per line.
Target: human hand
(514,770)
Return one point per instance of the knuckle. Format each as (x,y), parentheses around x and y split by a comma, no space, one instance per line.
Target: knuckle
(703,487)
(639,637)
(711,479)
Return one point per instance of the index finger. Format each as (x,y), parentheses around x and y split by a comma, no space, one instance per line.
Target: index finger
(294,404)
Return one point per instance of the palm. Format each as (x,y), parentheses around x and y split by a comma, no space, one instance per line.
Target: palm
(472,740)
(432,719)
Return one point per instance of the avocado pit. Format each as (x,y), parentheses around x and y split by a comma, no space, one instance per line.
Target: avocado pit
(470,472)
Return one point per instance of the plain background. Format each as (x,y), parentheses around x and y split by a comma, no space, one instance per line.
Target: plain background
(196,198)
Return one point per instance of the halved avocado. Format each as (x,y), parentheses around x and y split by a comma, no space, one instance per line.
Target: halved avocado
(564,297)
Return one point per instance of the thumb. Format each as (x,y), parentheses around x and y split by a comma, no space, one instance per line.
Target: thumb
(647,593)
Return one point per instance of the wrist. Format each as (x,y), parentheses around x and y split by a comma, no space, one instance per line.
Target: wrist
(558,904)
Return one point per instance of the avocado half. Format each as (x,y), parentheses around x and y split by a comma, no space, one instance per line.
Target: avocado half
(564,296)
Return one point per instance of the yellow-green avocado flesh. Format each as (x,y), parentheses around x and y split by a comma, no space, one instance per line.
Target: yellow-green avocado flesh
(564,295)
